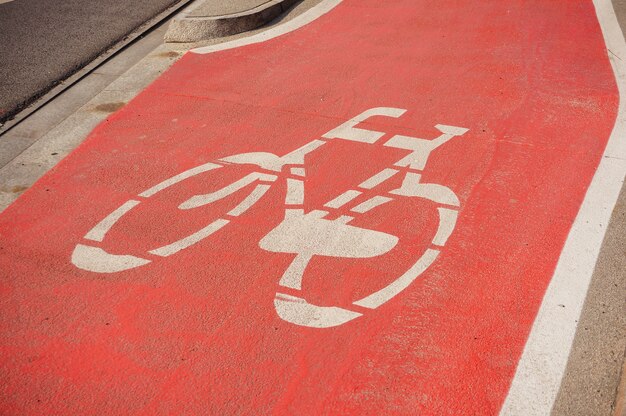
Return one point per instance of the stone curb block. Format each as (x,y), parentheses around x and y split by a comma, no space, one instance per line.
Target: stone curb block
(186,28)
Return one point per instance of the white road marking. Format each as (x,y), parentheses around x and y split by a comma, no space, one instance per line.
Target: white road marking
(379,178)
(292,277)
(344,219)
(297,156)
(440,194)
(295,23)
(190,240)
(200,200)
(96,260)
(543,362)
(264,160)
(376,299)
(177,178)
(298,311)
(371,203)
(349,131)
(421,148)
(250,200)
(305,235)
(311,234)
(295,192)
(342,199)
(98,232)
(447,222)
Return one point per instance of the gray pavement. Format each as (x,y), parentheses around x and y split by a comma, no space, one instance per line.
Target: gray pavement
(592,376)
(217,18)
(595,369)
(221,8)
(43,42)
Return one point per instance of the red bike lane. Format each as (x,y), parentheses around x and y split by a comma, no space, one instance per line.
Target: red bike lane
(370,273)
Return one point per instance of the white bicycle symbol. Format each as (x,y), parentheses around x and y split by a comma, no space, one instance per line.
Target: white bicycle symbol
(305,234)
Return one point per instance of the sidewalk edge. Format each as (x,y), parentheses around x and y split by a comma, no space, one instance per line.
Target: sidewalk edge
(186,28)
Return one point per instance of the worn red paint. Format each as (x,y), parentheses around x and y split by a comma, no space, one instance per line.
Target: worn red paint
(196,333)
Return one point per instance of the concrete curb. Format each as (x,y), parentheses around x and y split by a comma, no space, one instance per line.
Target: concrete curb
(189,28)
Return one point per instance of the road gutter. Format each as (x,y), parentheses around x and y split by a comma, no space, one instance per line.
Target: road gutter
(91,66)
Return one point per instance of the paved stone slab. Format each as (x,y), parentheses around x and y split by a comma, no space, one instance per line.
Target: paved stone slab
(210,19)
(215,8)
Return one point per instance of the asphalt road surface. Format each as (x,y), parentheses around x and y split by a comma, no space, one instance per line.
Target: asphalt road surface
(44,42)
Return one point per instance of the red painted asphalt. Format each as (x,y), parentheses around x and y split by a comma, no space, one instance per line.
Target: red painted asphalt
(198,332)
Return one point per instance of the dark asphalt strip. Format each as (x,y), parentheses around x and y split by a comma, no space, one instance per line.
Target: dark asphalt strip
(43,42)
